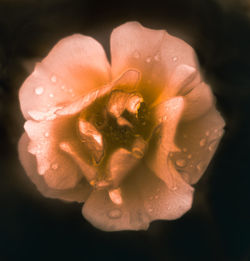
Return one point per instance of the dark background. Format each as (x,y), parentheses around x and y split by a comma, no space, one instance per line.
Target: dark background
(218,226)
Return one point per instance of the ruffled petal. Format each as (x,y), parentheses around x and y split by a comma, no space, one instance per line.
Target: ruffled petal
(198,140)
(127,81)
(144,198)
(154,52)
(75,66)
(59,170)
(79,193)
(168,114)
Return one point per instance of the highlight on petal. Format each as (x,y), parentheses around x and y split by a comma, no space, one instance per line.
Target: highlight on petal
(79,193)
(75,66)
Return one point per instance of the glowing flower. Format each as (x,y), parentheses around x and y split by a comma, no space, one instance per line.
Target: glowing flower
(128,138)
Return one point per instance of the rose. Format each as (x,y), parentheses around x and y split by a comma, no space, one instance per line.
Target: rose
(130,138)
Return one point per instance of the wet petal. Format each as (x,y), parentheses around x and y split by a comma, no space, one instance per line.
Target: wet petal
(75,66)
(168,115)
(154,52)
(144,198)
(59,171)
(79,193)
(198,140)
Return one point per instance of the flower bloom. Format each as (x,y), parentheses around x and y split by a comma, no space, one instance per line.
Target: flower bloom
(128,139)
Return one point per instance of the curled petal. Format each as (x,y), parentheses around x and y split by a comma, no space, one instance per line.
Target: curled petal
(154,52)
(168,114)
(198,140)
(79,193)
(197,102)
(128,80)
(75,66)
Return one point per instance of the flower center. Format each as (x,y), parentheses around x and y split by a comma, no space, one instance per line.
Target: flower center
(117,120)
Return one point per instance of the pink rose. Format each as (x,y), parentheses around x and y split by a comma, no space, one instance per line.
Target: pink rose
(128,139)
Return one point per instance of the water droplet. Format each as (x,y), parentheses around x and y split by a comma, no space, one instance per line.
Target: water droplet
(203,142)
(175,58)
(220,132)
(184,149)
(148,60)
(157,57)
(136,54)
(63,87)
(51,95)
(53,79)
(200,166)
(46,134)
(181,163)
(54,166)
(150,210)
(39,90)
(212,145)
(115,213)
(70,90)
(189,156)
(207,133)
(215,130)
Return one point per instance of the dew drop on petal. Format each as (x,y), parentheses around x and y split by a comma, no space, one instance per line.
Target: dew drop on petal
(207,133)
(189,156)
(51,95)
(136,54)
(157,57)
(175,58)
(63,87)
(54,166)
(148,60)
(203,142)
(115,213)
(150,210)
(39,90)
(184,149)
(212,145)
(181,163)
(53,79)
(46,134)
(200,166)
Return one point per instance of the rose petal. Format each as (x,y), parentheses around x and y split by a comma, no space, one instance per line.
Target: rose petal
(120,164)
(197,102)
(59,171)
(144,198)
(169,114)
(78,193)
(128,81)
(154,52)
(198,140)
(75,66)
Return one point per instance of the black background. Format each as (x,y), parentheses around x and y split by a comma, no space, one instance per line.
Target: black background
(218,226)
